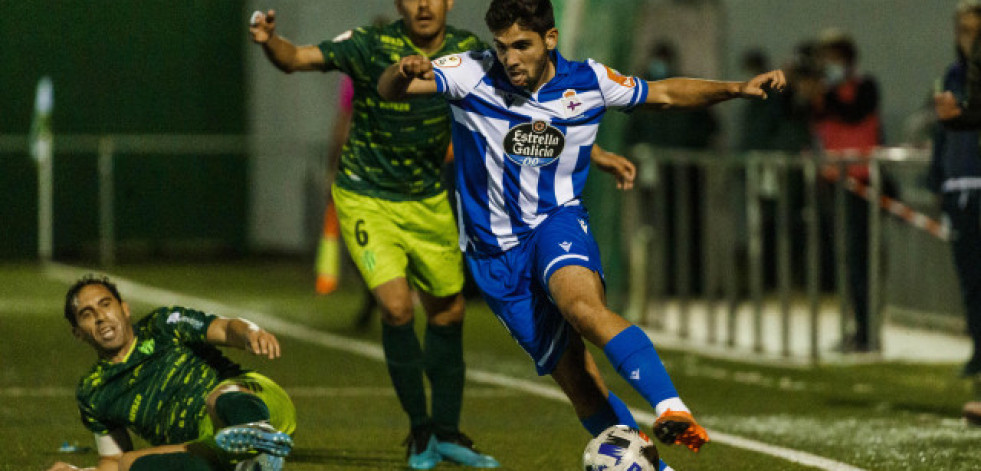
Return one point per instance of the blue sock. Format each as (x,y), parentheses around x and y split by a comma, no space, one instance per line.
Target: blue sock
(617,413)
(634,357)
(623,413)
(603,419)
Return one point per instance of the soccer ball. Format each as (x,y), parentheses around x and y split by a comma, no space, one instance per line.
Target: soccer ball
(620,448)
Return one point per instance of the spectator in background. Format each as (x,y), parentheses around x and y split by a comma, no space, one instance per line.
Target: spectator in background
(691,130)
(328,262)
(964,112)
(847,125)
(695,129)
(955,174)
(781,124)
(760,119)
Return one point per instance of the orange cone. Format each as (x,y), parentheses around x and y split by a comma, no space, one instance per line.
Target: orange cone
(328,253)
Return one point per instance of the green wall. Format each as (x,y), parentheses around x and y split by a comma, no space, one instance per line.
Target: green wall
(126,67)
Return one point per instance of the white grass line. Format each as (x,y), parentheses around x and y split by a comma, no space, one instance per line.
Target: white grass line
(17,391)
(373,351)
(315,392)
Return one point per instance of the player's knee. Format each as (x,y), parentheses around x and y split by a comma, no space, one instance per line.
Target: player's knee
(397,312)
(451,313)
(583,313)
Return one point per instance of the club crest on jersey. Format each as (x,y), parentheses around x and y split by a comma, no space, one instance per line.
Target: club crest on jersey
(447,62)
(534,144)
(572,106)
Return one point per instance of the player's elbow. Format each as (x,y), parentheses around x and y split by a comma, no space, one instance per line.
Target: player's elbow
(659,96)
(389,93)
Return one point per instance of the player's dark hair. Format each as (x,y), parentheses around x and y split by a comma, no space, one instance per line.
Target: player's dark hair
(969,6)
(536,15)
(966,7)
(88,279)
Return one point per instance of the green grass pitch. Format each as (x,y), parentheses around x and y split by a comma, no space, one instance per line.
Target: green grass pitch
(882,416)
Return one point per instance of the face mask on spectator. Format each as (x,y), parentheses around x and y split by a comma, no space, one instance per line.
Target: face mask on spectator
(834,73)
(658,70)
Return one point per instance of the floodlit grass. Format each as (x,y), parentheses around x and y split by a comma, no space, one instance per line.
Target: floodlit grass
(884,416)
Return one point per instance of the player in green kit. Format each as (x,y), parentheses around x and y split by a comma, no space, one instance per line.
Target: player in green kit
(164,380)
(395,216)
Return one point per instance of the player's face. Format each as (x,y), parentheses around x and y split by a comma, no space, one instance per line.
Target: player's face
(425,19)
(524,55)
(103,321)
(968,27)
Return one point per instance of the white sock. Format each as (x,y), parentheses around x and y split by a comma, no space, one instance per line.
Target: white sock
(673,403)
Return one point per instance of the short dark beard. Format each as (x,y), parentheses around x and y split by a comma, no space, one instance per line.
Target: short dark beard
(533,81)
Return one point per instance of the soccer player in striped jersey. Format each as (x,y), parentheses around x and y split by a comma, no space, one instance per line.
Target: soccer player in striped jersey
(524,123)
(164,380)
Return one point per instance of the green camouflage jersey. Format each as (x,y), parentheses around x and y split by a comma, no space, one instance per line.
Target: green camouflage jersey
(395,150)
(158,391)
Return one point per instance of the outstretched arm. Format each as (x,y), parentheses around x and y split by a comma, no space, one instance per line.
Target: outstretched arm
(283,54)
(413,75)
(243,334)
(687,93)
(105,464)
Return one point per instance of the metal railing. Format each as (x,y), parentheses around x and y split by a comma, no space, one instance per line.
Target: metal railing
(735,193)
(107,147)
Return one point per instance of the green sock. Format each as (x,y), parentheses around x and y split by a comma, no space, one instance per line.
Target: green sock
(171,462)
(447,373)
(405,365)
(236,408)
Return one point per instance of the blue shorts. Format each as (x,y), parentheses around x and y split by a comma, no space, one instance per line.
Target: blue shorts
(514,283)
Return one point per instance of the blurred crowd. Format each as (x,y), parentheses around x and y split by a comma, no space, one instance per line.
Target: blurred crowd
(830,109)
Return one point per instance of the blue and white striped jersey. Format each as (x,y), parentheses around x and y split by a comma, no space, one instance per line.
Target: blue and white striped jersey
(521,156)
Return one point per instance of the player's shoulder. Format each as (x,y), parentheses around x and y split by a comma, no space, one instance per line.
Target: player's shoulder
(150,319)
(463,40)
(361,35)
(167,319)
(89,382)
(479,59)
(605,73)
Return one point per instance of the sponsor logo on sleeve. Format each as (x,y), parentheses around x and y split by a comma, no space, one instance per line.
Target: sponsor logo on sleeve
(343,36)
(619,78)
(534,144)
(176,317)
(447,62)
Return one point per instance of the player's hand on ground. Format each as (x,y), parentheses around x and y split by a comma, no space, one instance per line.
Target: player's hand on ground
(757,86)
(262,25)
(416,67)
(263,343)
(617,165)
(61,466)
(945,104)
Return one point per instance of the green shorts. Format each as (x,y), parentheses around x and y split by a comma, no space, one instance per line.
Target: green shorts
(417,240)
(282,413)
